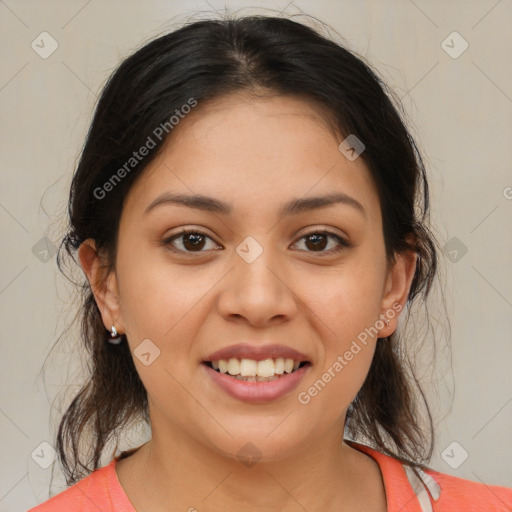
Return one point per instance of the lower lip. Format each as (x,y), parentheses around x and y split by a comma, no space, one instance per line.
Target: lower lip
(257,392)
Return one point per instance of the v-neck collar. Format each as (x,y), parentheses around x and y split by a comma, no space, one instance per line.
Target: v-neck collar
(398,483)
(400,494)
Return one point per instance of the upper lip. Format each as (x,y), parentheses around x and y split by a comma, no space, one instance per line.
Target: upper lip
(257,352)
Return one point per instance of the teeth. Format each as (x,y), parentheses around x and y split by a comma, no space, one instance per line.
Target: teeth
(288,365)
(233,366)
(252,378)
(247,369)
(266,368)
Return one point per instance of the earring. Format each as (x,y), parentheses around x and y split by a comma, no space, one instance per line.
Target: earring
(115,339)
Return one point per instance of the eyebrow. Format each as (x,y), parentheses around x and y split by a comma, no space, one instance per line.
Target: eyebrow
(292,207)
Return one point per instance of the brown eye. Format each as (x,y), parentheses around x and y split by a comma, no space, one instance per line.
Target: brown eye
(317,241)
(188,241)
(193,241)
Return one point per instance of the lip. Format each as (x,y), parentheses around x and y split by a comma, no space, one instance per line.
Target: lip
(257,392)
(257,352)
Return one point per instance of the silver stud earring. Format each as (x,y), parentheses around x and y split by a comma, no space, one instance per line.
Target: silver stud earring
(115,339)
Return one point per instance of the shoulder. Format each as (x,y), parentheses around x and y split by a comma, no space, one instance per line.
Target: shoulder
(462,494)
(87,495)
(413,490)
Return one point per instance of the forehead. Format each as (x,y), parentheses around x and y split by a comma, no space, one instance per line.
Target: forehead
(240,114)
(254,153)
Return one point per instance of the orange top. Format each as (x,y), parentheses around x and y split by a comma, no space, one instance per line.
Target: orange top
(406,491)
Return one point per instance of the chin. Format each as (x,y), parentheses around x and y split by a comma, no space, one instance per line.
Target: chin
(253,445)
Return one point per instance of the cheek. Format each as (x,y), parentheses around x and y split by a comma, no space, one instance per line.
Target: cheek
(346,320)
(156,295)
(347,306)
(333,386)
(162,310)
(349,300)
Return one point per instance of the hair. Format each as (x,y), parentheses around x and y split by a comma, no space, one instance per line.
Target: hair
(204,60)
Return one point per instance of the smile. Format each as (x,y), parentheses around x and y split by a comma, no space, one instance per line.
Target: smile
(256,381)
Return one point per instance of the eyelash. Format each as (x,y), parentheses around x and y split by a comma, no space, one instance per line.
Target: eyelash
(343,244)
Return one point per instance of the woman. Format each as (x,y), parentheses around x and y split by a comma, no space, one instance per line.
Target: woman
(251,215)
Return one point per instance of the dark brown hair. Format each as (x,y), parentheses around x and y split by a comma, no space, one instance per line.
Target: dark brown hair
(205,60)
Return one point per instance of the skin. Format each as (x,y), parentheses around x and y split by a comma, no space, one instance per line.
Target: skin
(254,155)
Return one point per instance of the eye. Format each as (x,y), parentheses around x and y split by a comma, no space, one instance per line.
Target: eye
(191,240)
(318,240)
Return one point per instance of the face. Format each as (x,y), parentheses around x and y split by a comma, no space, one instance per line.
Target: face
(311,279)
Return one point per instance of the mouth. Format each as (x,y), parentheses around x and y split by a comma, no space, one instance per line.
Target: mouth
(251,370)
(256,372)
(252,381)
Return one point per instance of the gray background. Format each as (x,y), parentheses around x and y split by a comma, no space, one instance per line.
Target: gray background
(460,109)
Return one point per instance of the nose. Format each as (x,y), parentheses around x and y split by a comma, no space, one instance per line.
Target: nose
(257,292)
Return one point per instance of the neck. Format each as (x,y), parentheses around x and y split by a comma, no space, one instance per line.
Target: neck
(323,474)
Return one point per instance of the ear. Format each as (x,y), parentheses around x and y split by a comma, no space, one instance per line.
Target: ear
(104,287)
(396,290)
